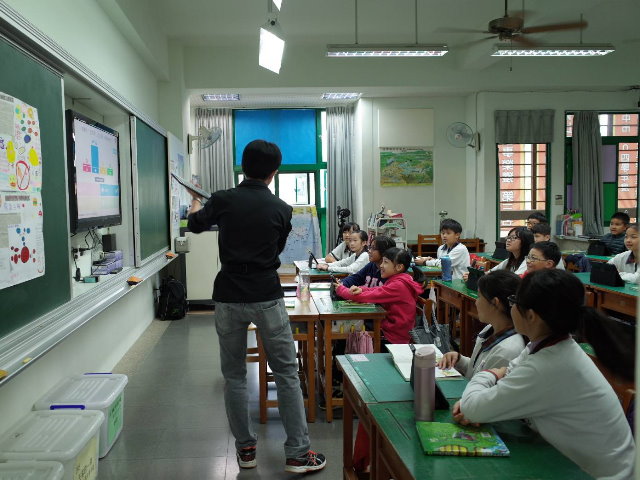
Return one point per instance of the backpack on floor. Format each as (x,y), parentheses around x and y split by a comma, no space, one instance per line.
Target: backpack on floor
(172,303)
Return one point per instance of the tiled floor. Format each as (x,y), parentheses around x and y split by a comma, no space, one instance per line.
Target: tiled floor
(175,425)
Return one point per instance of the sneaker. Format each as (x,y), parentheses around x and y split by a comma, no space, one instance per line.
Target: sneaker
(309,462)
(247,457)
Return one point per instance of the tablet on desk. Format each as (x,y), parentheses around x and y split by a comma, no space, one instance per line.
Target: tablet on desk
(474,276)
(500,253)
(191,187)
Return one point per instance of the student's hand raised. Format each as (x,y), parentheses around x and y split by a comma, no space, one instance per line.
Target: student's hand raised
(449,360)
(458,416)
(355,290)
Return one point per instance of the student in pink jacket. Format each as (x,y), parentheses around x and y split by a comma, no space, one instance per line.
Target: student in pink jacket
(397,296)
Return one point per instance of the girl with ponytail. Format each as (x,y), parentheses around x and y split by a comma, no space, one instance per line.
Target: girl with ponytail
(553,384)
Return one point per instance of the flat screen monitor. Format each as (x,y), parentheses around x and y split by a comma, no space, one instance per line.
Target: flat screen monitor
(94,173)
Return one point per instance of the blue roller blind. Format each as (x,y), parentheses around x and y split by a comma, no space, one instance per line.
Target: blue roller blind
(294,131)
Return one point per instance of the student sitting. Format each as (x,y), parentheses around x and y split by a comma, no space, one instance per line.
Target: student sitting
(450,231)
(370,275)
(397,296)
(627,262)
(356,261)
(536,218)
(519,240)
(614,240)
(553,384)
(498,343)
(543,255)
(541,232)
(342,251)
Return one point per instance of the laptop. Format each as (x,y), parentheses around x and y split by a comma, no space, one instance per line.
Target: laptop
(500,253)
(474,276)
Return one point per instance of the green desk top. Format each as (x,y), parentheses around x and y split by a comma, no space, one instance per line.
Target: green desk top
(628,289)
(531,456)
(326,306)
(598,258)
(429,269)
(377,379)
(460,287)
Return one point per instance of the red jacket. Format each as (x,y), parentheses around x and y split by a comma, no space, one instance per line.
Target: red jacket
(398,297)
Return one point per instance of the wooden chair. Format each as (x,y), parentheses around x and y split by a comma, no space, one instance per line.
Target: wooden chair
(253,354)
(624,389)
(472,244)
(430,241)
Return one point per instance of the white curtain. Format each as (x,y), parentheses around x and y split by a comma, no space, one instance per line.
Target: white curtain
(587,170)
(340,150)
(215,163)
(524,126)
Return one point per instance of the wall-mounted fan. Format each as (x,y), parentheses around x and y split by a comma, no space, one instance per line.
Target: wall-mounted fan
(460,135)
(206,137)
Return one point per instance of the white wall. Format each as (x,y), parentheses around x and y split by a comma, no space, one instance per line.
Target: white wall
(83,29)
(558,101)
(419,204)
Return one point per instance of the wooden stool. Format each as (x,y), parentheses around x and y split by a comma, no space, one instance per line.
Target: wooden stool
(253,353)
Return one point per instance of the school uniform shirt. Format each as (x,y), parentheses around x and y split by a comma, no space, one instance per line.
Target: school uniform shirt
(398,297)
(459,256)
(253,228)
(351,264)
(615,243)
(563,395)
(627,266)
(369,276)
(518,271)
(341,251)
(491,351)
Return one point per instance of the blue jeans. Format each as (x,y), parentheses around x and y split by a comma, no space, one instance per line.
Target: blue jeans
(232,320)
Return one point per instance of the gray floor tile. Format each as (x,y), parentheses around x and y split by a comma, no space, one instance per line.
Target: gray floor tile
(193,443)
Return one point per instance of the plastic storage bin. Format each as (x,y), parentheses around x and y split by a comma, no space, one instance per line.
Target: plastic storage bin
(31,470)
(104,392)
(66,436)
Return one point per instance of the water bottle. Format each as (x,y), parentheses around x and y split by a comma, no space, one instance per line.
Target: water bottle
(424,378)
(447,270)
(304,284)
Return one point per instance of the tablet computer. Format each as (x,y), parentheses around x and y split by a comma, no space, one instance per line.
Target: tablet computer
(312,258)
(605,274)
(190,186)
(474,276)
(500,253)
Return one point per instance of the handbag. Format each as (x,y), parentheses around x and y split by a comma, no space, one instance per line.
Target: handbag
(436,333)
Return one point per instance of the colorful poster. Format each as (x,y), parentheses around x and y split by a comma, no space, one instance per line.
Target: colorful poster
(402,166)
(21,212)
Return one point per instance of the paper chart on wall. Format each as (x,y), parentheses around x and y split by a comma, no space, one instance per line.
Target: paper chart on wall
(21,212)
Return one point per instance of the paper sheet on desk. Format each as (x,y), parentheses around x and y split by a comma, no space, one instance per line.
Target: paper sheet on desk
(402,356)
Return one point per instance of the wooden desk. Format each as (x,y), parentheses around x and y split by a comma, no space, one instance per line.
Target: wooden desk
(374,381)
(430,272)
(303,318)
(330,311)
(616,299)
(456,294)
(315,274)
(399,454)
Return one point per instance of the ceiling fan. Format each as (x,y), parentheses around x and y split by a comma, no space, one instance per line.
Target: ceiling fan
(512,28)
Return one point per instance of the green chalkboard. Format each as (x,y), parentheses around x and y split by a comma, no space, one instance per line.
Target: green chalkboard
(25,78)
(152,172)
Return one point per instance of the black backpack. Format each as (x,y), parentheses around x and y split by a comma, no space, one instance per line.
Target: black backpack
(172,303)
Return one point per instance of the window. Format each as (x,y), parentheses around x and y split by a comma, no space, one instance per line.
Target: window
(620,140)
(300,134)
(522,183)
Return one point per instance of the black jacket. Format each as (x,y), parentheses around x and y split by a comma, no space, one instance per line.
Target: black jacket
(253,228)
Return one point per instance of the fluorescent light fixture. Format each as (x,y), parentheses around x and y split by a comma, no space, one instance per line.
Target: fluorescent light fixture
(278,4)
(340,96)
(221,97)
(386,50)
(271,46)
(569,50)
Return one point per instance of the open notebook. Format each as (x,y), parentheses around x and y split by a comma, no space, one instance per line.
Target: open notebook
(402,357)
(453,439)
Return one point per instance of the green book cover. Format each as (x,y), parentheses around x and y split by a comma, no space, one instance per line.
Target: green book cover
(351,305)
(453,439)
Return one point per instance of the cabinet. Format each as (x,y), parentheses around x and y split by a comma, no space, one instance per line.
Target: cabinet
(394,227)
(202,265)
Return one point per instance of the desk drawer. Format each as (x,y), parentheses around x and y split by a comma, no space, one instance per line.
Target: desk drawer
(451,297)
(618,303)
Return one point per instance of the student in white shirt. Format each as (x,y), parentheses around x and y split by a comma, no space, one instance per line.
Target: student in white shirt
(342,250)
(543,255)
(554,385)
(450,231)
(542,233)
(498,343)
(519,240)
(627,262)
(356,261)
